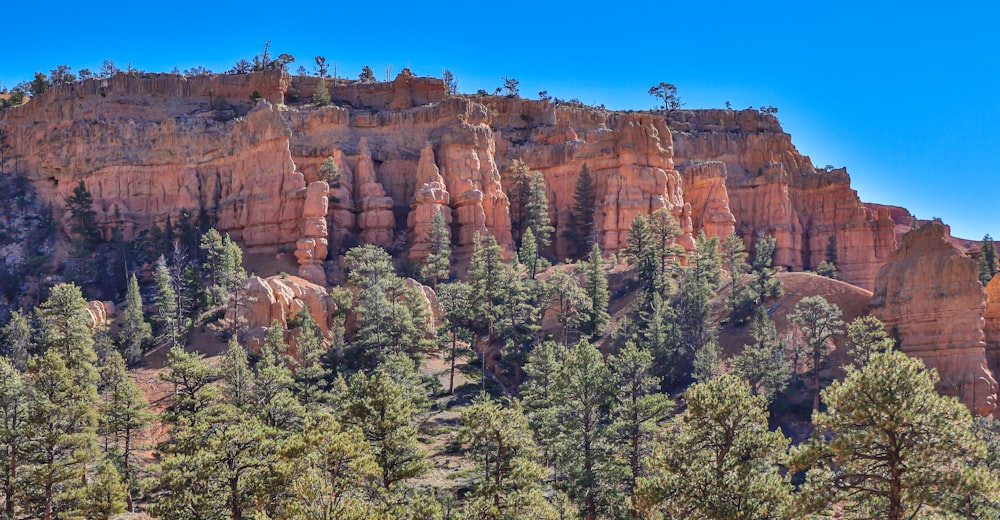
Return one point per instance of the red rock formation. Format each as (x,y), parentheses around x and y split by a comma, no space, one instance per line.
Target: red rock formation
(312,249)
(705,189)
(928,295)
(432,196)
(775,190)
(375,216)
(99,313)
(991,328)
(278,299)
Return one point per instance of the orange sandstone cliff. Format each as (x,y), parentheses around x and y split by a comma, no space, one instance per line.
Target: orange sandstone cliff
(245,150)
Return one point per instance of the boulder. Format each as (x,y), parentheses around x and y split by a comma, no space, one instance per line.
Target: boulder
(279,299)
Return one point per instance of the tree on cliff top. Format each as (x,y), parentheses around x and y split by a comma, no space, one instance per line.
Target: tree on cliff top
(666,92)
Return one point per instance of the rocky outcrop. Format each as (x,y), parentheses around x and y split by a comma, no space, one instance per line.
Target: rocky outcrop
(432,196)
(705,190)
(812,212)
(278,299)
(99,313)
(312,249)
(929,296)
(991,327)
(148,147)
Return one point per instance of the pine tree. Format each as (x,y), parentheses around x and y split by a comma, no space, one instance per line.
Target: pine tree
(166,304)
(528,252)
(763,363)
(62,427)
(595,285)
(581,227)
(637,409)
(272,400)
(64,327)
(14,438)
(190,377)
(888,445)
(582,453)
(235,371)
(332,471)
(718,460)
(84,219)
(437,264)
(518,193)
(321,96)
(491,280)
(866,335)
(105,496)
(562,294)
(135,333)
(456,322)
(734,258)
(379,407)
(310,375)
(765,285)
(819,320)
(539,395)
(499,442)
(124,414)
(666,252)
(15,340)
(988,265)
(536,215)
(640,251)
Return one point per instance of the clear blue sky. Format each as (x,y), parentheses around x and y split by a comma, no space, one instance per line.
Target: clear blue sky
(906,95)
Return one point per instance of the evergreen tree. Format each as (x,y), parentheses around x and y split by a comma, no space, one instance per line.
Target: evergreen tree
(62,427)
(734,258)
(491,280)
(105,496)
(84,219)
(166,304)
(456,322)
(539,395)
(581,227)
(217,465)
(64,327)
(582,452)
(381,409)
(706,262)
(563,295)
(332,471)
(718,460)
(437,264)
(271,396)
(15,340)
(14,438)
(135,333)
(528,252)
(310,375)
(692,333)
(536,211)
(321,96)
(988,265)
(499,441)
(866,335)
(640,251)
(235,371)
(888,445)
(124,415)
(763,363)
(190,377)
(819,320)
(765,285)
(518,192)
(666,252)
(637,409)
(595,286)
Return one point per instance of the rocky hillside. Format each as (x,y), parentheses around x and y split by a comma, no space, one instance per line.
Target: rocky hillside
(246,151)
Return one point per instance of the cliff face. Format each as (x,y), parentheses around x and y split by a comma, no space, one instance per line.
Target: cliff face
(150,146)
(928,295)
(772,189)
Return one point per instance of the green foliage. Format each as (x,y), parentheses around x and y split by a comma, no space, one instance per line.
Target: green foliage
(15,340)
(636,412)
(818,321)
(562,294)
(539,394)
(765,285)
(581,227)
(64,327)
(190,376)
(436,265)
(763,363)
(667,93)
(167,316)
(518,193)
(500,443)
(734,259)
(536,217)
(14,434)
(83,217)
(827,269)
(134,333)
(105,496)
(235,371)
(595,286)
(381,409)
(457,307)
(124,416)
(988,264)
(718,460)
(888,444)
(367,75)
(528,252)
(321,96)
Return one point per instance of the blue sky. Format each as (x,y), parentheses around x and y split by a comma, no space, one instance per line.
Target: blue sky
(906,95)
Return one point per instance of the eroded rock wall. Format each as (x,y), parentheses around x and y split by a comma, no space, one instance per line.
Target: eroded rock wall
(929,296)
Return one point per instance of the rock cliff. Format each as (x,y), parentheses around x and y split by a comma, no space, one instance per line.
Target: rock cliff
(929,296)
(246,150)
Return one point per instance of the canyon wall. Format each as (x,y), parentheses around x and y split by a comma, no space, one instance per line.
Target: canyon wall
(246,151)
(929,296)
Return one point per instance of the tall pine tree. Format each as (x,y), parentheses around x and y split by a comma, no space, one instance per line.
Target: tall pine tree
(581,227)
